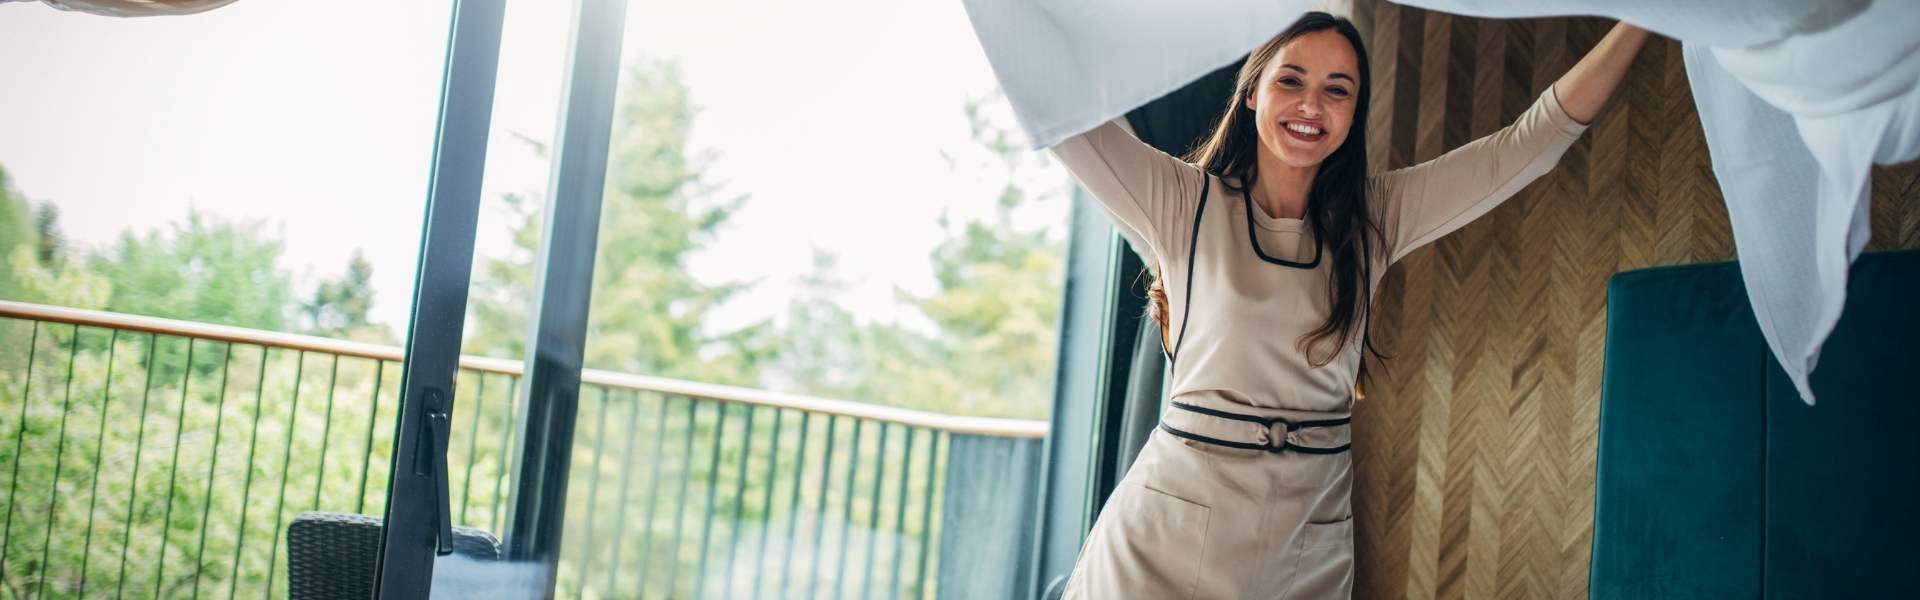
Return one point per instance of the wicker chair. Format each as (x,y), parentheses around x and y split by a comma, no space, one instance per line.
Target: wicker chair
(331,555)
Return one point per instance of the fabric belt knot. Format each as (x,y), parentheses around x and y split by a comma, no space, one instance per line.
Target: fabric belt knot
(1250,432)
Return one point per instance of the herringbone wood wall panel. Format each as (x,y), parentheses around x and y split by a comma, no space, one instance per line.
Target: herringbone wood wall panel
(1475,446)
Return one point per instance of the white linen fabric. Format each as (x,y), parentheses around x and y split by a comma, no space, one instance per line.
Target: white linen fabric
(1794,127)
(134,8)
(1068,65)
(1798,99)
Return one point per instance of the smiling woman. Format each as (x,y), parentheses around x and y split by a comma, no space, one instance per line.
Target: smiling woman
(1246,483)
(1312,77)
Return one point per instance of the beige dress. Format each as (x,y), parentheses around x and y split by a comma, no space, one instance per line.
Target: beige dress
(1243,492)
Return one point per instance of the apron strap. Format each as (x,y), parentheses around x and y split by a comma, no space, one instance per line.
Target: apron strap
(1193,249)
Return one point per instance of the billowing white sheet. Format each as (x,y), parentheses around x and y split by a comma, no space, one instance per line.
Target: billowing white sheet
(1798,98)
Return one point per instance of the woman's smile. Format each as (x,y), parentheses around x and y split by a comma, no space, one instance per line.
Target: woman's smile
(1306,131)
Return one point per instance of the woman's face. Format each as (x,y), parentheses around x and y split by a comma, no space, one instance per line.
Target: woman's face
(1304,101)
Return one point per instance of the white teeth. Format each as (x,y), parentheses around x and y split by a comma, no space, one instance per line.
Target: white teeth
(1304,129)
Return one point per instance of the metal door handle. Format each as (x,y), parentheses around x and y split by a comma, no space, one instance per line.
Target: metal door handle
(431,461)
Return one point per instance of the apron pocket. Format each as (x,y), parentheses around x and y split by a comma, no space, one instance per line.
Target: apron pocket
(1170,534)
(1325,567)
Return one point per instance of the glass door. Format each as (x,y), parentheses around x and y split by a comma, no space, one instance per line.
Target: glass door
(209,238)
(777,317)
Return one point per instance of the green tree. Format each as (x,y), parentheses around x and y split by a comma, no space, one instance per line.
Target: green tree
(648,313)
(823,349)
(205,269)
(62,283)
(994,309)
(34,262)
(339,308)
(112,455)
(16,231)
(46,226)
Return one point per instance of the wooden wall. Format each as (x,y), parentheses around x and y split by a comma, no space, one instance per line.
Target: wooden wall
(1475,447)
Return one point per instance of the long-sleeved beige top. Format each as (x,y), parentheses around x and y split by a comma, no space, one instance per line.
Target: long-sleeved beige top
(1247,312)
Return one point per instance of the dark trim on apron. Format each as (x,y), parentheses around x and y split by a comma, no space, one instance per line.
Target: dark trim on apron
(1186,313)
(1193,249)
(1284,444)
(1254,238)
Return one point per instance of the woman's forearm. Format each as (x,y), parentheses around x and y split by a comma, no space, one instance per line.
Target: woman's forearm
(1583,91)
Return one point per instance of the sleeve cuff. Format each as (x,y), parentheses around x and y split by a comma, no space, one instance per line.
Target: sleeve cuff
(1557,114)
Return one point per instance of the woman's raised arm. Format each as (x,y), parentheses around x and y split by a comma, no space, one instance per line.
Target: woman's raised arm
(1585,88)
(1150,194)
(1423,202)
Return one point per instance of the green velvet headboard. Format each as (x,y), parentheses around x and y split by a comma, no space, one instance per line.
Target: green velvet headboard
(1714,479)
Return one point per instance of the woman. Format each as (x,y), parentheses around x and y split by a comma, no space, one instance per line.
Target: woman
(1272,238)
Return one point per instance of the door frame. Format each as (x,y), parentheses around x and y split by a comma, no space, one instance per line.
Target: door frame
(404,568)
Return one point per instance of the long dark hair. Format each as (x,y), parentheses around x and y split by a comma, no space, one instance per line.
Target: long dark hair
(1337,209)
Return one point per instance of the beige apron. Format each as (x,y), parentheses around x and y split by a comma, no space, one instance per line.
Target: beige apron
(1227,500)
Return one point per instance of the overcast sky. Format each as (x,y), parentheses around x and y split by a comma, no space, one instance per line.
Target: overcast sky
(842,120)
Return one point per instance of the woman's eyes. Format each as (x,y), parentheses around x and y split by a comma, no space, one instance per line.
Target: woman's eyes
(1294,83)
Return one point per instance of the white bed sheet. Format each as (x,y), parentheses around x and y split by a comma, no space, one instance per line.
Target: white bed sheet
(1798,98)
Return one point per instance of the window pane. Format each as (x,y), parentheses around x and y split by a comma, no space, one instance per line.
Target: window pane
(802,203)
(263,165)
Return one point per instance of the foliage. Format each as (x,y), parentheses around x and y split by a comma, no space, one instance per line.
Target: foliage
(994,309)
(206,269)
(648,313)
(339,307)
(18,236)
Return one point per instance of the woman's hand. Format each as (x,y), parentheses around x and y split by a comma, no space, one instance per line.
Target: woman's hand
(1584,90)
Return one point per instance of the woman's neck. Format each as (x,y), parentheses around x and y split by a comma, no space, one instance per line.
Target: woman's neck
(1282,189)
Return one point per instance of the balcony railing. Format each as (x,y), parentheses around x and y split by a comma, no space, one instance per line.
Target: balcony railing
(156,458)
